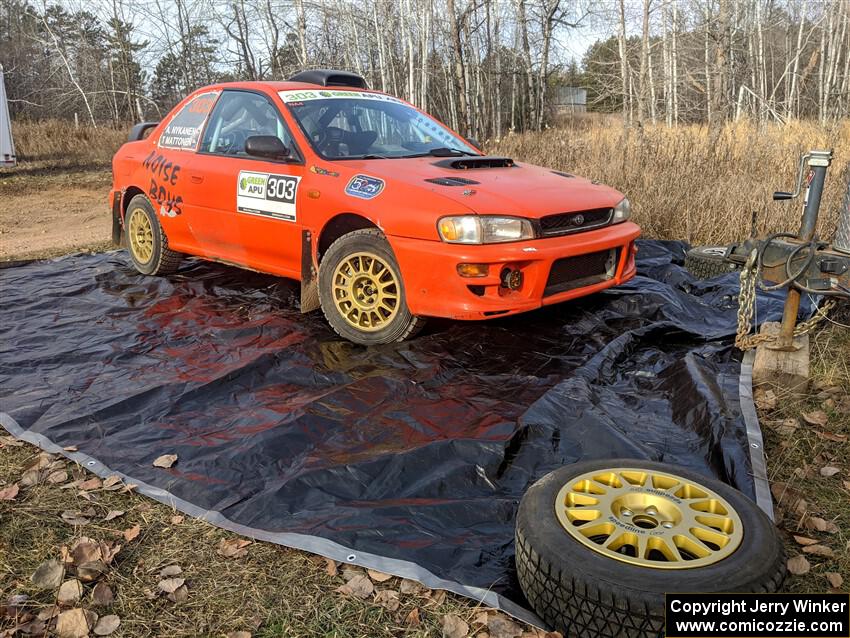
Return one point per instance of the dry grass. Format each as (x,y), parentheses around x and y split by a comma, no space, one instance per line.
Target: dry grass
(684,187)
(59,144)
(272,591)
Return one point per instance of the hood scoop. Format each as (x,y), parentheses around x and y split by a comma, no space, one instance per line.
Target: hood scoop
(451,181)
(485,161)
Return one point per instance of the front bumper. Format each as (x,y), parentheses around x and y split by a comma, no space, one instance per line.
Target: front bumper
(435,289)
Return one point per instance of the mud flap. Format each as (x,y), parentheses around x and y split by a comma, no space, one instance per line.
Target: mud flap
(116,218)
(309,275)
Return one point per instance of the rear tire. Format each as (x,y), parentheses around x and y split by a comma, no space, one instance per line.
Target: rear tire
(145,240)
(361,291)
(580,590)
(705,262)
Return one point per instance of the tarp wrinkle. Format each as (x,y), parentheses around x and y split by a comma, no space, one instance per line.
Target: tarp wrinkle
(411,457)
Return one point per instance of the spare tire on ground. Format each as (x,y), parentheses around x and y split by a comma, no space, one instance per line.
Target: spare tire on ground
(598,544)
(705,262)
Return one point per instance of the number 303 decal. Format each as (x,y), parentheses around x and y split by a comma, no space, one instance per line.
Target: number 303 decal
(267,195)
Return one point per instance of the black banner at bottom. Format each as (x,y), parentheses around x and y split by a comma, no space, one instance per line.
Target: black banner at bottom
(758,616)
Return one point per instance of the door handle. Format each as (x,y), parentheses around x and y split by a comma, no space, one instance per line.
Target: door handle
(197,179)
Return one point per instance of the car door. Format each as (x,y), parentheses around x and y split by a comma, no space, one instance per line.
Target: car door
(249,206)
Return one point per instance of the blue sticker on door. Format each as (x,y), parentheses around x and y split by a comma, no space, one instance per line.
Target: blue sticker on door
(364,187)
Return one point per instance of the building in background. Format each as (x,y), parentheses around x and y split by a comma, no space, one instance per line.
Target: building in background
(570,99)
(7,146)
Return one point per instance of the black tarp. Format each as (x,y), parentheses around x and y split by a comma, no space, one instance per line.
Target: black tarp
(409,457)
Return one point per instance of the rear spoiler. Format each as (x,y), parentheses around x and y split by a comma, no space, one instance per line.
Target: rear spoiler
(139,130)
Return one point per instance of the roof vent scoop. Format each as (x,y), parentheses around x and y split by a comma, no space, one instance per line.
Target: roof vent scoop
(330,77)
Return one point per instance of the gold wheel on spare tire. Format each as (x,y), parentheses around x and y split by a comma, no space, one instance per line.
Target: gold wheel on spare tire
(595,558)
(366,291)
(361,290)
(140,235)
(649,518)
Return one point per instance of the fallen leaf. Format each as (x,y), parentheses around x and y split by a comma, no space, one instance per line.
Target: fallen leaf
(106,625)
(454,627)
(29,628)
(170,571)
(835,580)
(10,441)
(388,599)
(819,550)
(411,587)
(821,525)
(108,551)
(412,619)
(378,577)
(239,634)
(331,567)
(112,482)
(359,586)
(49,574)
(804,540)
(437,596)
(113,514)
(829,470)
(765,399)
(846,484)
(179,595)
(815,417)
(70,485)
(70,448)
(785,495)
(75,517)
(176,520)
(91,571)
(85,550)
(70,592)
(165,461)
(502,627)
(129,487)
(58,476)
(349,572)
(75,623)
(831,436)
(49,613)
(170,585)
(799,565)
(233,547)
(29,478)
(9,492)
(102,596)
(132,532)
(91,484)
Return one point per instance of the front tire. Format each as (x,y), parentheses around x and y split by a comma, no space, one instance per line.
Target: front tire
(145,240)
(598,544)
(361,291)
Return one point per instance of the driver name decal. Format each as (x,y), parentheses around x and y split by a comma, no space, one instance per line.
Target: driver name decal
(267,195)
(364,187)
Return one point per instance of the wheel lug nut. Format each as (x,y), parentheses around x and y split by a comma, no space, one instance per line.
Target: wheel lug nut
(626,512)
(651,511)
(667,524)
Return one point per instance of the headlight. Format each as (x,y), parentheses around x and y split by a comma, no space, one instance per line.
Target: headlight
(622,211)
(483,229)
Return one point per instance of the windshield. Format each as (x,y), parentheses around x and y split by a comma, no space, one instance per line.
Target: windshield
(351,125)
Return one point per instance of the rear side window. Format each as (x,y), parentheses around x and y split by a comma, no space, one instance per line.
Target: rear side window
(239,115)
(184,129)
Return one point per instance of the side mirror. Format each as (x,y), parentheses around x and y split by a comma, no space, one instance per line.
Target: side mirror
(779,196)
(267,146)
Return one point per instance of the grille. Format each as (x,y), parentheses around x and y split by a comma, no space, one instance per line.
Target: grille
(582,270)
(564,223)
(451,181)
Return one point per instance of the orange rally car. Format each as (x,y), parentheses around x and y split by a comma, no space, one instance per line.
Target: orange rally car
(385,215)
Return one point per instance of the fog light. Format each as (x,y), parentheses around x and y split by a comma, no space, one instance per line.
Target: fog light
(511,279)
(473,270)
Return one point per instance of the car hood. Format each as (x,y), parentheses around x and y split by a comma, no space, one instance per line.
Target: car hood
(522,189)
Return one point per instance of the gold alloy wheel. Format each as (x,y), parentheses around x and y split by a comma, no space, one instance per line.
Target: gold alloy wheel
(648,518)
(140,233)
(366,291)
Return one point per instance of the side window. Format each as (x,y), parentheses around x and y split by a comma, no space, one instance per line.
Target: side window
(184,129)
(239,115)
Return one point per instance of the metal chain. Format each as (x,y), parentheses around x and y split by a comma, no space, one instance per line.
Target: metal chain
(750,274)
